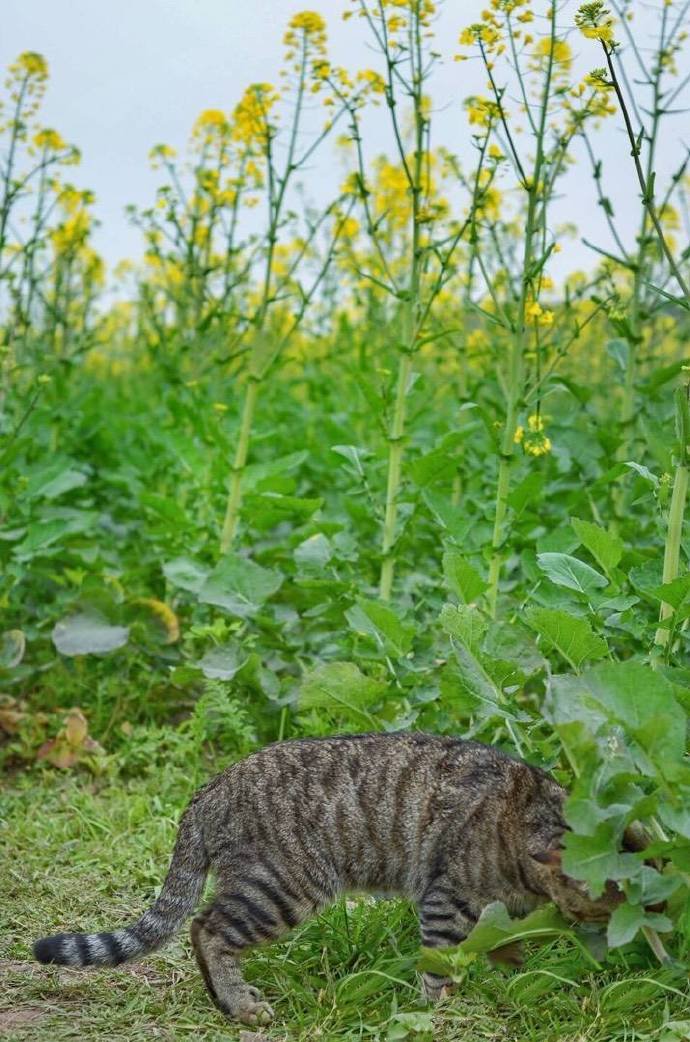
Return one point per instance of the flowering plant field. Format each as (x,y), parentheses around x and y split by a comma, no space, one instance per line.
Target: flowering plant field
(368,465)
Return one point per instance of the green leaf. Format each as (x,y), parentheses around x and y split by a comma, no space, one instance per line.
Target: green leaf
(185,573)
(411,1027)
(338,687)
(495,928)
(261,473)
(267,509)
(627,919)
(572,637)
(39,536)
(239,585)
(642,701)
(166,508)
(604,546)
(674,592)
(381,623)
(595,858)
(461,578)
(314,553)
(88,633)
(448,516)
(51,480)
(465,622)
(222,662)
(572,573)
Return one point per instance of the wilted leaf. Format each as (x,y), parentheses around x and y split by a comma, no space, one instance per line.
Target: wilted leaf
(76,728)
(88,633)
(12,647)
(164,614)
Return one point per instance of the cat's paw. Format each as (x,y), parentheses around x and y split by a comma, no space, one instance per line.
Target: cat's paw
(436,988)
(247,1005)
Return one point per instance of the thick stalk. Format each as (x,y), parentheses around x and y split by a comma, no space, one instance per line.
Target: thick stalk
(395,454)
(412,307)
(515,382)
(673,537)
(232,510)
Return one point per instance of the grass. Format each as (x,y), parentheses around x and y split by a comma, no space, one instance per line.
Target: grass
(82,854)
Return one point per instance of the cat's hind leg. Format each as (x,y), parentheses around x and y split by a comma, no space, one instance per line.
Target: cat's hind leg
(254,910)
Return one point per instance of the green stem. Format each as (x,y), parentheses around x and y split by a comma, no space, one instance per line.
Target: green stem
(395,454)
(232,510)
(672,548)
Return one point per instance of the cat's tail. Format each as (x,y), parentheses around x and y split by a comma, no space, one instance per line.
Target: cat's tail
(178,898)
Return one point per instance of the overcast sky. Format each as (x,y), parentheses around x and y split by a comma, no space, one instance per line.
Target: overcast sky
(127,74)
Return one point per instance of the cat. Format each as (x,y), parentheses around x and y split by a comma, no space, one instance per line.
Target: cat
(450,824)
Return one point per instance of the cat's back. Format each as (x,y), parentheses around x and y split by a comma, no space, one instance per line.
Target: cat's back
(385,784)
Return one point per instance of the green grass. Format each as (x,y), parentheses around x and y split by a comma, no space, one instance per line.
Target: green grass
(78,854)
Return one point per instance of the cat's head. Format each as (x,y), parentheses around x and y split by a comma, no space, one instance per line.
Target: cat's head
(545,828)
(571,895)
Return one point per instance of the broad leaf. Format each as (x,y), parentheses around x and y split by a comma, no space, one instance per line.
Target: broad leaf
(604,546)
(185,573)
(88,633)
(340,687)
(461,577)
(627,919)
(572,573)
(240,586)
(382,625)
(315,552)
(571,636)
(221,663)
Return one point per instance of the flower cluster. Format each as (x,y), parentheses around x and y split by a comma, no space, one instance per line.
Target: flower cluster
(595,22)
(534,441)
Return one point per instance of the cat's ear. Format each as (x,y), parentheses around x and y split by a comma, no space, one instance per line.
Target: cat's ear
(551,857)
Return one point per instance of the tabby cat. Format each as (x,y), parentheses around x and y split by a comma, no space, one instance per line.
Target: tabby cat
(450,824)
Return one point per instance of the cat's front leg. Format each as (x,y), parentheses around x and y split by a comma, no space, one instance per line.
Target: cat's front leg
(445,920)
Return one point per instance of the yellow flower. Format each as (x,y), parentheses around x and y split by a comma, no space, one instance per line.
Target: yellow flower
(50,140)
(519,434)
(31,64)
(252,112)
(537,446)
(594,21)
(308,21)
(373,80)
(558,50)
(535,423)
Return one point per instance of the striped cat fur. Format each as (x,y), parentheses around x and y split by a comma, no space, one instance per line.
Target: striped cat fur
(450,824)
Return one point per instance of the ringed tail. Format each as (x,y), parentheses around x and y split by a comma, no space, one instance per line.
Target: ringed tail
(177,900)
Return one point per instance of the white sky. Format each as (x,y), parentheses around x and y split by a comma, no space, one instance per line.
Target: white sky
(127,74)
